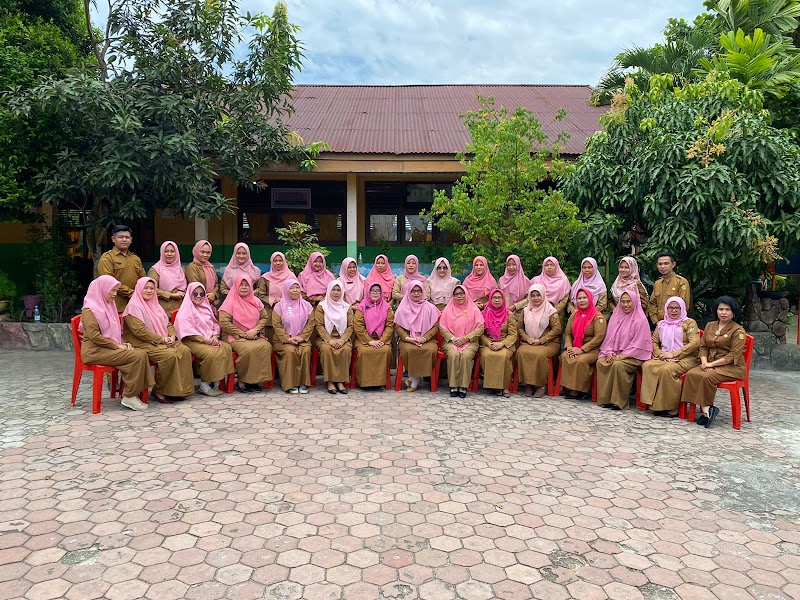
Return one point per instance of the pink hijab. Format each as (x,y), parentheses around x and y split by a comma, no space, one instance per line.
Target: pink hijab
(555,286)
(416,317)
(537,319)
(670,331)
(631,282)
(353,286)
(594,284)
(335,312)
(493,318)
(170,276)
(315,283)
(245,311)
(195,320)
(233,268)
(148,312)
(293,313)
(479,286)
(516,285)
(583,316)
(628,334)
(208,268)
(104,311)
(375,313)
(442,287)
(461,320)
(416,276)
(277,278)
(385,279)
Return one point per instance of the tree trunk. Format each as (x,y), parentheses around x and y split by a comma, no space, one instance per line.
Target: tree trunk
(96,232)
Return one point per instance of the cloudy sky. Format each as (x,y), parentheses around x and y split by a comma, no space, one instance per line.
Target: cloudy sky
(471,41)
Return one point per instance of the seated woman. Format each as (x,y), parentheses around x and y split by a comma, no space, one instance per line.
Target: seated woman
(200,270)
(498,343)
(513,282)
(461,327)
(147,327)
(626,346)
(583,335)
(480,283)
(442,283)
(240,263)
(415,323)
(333,319)
(352,282)
(198,328)
(411,274)
(242,319)
(103,345)
(540,333)
(628,279)
(721,359)
(314,278)
(169,277)
(270,286)
(676,342)
(293,324)
(373,324)
(381,274)
(556,286)
(591,281)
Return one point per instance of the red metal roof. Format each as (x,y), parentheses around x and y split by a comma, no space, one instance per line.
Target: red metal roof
(424,119)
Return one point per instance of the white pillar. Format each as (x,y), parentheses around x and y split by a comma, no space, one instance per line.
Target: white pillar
(200,229)
(352,216)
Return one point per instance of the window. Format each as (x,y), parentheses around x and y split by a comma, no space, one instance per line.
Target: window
(393,212)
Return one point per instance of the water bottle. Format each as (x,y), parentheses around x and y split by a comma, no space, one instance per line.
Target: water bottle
(360,259)
(37,317)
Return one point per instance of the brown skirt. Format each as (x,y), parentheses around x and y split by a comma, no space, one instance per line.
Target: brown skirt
(174,375)
(132,364)
(213,363)
(497,367)
(460,364)
(418,360)
(254,364)
(661,382)
(533,362)
(700,386)
(576,373)
(615,381)
(335,361)
(294,364)
(371,365)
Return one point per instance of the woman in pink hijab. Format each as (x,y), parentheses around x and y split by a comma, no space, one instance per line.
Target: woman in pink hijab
(314,278)
(270,286)
(102,341)
(442,283)
(591,281)
(513,282)
(583,335)
(381,274)
(293,324)
(333,319)
(628,279)
(373,324)
(410,274)
(676,349)
(240,263)
(169,277)
(197,327)
(461,327)
(200,270)
(416,324)
(498,344)
(353,282)
(147,327)
(540,330)
(480,283)
(626,346)
(242,319)
(556,285)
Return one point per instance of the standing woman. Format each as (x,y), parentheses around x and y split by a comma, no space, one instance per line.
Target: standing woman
(381,274)
(556,286)
(676,342)
(314,278)
(242,319)
(591,281)
(415,323)
(411,274)
(442,283)
(461,327)
(628,279)
(513,282)
(352,281)
(333,319)
(480,283)
(498,342)
(585,331)
(103,345)
(198,328)
(293,324)
(373,324)
(169,277)
(540,330)
(200,270)
(626,346)
(270,286)
(721,359)
(147,327)
(240,263)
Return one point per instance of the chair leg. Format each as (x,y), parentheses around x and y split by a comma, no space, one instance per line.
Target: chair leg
(398,378)
(436,370)
(682,411)
(594,384)
(476,373)
(114,379)
(639,404)
(388,378)
(97,391)
(692,408)
(353,361)
(314,361)
(557,389)
(76,382)
(736,408)
(143,396)
(514,387)
(550,383)
(746,390)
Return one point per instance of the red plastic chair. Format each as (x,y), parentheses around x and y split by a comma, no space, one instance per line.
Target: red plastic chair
(398,380)
(225,384)
(353,383)
(98,372)
(514,387)
(314,364)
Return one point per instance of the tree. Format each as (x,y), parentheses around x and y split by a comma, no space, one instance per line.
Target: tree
(167,108)
(505,203)
(699,171)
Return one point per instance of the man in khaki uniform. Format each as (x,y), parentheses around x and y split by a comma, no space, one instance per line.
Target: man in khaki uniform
(670,284)
(122,264)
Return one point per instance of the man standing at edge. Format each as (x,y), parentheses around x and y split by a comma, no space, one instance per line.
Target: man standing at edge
(122,264)
(670,284)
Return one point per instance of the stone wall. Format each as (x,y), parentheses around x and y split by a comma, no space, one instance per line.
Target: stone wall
(35,336)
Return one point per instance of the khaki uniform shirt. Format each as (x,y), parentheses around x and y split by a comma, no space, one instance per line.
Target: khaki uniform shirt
(125,268)
(665,288)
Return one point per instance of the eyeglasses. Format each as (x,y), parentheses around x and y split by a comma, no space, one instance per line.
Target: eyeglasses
(198,294)
(674,308)
(459,294)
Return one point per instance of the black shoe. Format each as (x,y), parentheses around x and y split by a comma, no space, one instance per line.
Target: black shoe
(565,393)
(462,394)
(702,420)
(332,391)
(454,393)
(712,414)
(584,396)
(605,405)
(254,387)
(243,388)
(668,415)
(659,413)
(615,407)
(342,390)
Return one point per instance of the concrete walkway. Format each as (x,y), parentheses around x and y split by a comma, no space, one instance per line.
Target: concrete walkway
(391,496)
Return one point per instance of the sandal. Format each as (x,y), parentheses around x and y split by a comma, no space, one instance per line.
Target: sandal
(506,394)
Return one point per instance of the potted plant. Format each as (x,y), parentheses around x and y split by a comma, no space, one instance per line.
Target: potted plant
(774,286)
(8,291)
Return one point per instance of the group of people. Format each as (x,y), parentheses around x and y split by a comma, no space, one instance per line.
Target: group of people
(235,322)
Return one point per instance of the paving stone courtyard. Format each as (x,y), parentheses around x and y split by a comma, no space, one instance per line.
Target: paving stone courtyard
(391,495)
